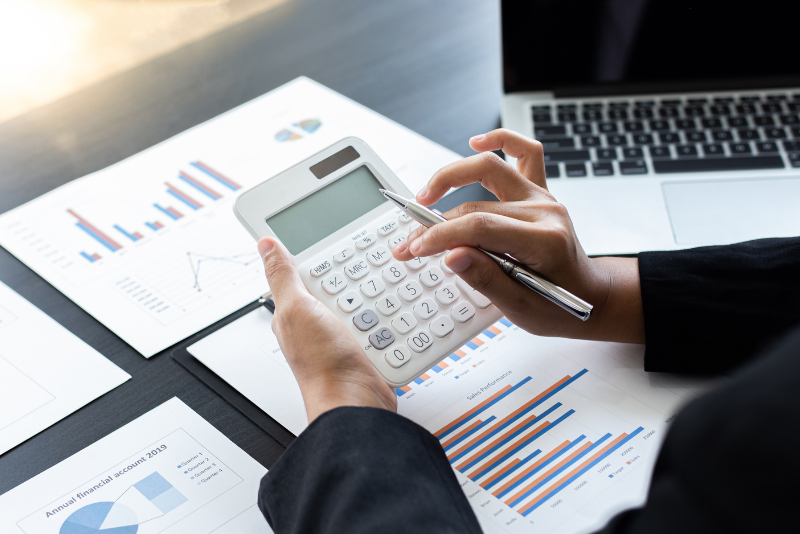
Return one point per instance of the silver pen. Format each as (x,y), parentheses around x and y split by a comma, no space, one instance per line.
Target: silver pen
(555,294)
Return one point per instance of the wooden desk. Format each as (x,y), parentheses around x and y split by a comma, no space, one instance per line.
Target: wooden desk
(431,66)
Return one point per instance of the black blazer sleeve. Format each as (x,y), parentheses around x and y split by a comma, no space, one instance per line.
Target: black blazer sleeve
(708,309)
(364,470)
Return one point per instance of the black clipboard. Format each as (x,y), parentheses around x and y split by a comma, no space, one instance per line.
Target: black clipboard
(473,192)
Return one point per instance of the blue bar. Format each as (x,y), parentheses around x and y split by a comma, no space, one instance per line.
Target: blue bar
(499,429)
(580,473)
(91,259)
(152,226)
(547,462)
(510,471)
(97,236)
(190,204)
(561,470)
(204,191)
(214,176)
(126,234)
(468,434)
(418,381)
(509,438)
(505,321)
(489,334)
(399,392)
(455,357)
(472,345)
(522,445)
(437,368)
(514,388)
(166,212)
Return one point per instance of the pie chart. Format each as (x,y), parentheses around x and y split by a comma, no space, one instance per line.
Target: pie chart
(87,520)
(298,130)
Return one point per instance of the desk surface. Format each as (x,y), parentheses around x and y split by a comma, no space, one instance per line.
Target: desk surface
(431,66)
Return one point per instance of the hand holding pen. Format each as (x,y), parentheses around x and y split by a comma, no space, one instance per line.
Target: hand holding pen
(531,227)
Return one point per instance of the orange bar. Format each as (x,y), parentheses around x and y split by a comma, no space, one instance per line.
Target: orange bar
(531,468)
(477,341)
(549,472)
(495,330)
(424,376)
(460,353)
(566,477)
(500,473)
(497,439)
(442,365)
(472,411)
(465,431)
(524,437)
(489,431)
(406,388)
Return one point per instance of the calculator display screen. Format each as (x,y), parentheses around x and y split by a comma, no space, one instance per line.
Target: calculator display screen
(324,212)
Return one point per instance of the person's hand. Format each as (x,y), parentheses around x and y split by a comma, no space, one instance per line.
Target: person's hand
(330,366)
(532,227)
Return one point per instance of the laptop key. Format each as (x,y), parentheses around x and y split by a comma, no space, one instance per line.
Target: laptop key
(695,137)
(606,153)
(793,106)
(746,109)
(722,135)
(566,155)
(775,133)
(668,112)
(633,167)
(694,112)
(607,127)
(670,102)
(737,122)
(771,107)
(748,134)
(558,142)
(551,171)
(603,169)
(567,107)
(634,127)
(616,140)
(591,140)
(593,105)
(669,138)
(791,146)
(717,164)
(568,116)
(711,123)
(713,150)
(592,115)
(645,103)
(581,128)
(723,100)
(686,124)
(686,151)
(788,120)
(764,121)
(740,148)
(539,118)
(767,147)
(795,131)
(643,139)
(545,131)
(546,108)
(618,114)
(794,159)
(575,170)
(660,152)
(776,98)
(750,99)
(720,109)
(632,153)
(659,125)
(643,113)
(619,105)
(697,101)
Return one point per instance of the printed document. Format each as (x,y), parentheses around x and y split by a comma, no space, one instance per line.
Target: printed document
(167,472)
(150,246)
(46,373)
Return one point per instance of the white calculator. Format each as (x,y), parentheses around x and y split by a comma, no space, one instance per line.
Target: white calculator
(329,213)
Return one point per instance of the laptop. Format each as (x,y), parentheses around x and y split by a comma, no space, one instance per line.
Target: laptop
(666,124)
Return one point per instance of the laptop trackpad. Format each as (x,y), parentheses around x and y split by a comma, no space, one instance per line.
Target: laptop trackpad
(727,211)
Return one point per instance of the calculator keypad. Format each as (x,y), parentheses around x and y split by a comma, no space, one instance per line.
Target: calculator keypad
(366,241)
(394,273)
(356,270)
(366,320)
(417,263)
(372,287)
(344,255)
(388,304)
(350,302)
(404,324)
(420,340)
(382,338)
(410,291)
(447,294)
(334,283)
(378,256)
(431,277)
(426,309)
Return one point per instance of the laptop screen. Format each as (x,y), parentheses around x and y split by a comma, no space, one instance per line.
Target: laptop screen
(605,46)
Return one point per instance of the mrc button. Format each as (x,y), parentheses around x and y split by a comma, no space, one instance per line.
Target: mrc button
(322,268)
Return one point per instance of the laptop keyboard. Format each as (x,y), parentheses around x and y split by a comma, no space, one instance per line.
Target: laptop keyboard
(669,134)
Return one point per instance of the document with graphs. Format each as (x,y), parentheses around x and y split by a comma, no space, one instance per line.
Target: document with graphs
(46,373)
(545,435)
(167,472)
(150,246)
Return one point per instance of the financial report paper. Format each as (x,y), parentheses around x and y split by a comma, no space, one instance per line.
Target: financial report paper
(46,373)
(167,472)
(545,435)
(150,246)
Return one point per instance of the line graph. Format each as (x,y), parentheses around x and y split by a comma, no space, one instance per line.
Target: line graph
(197,260)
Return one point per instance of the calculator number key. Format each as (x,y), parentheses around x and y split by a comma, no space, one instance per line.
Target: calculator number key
(442,326)
(334,283)
(344,255)
(394,240)
(447,295)
(477,298)
(426,309)
(431,277)
(350,302)
(404,324)
(463,311)
(410,292)
(398,356)
(357,270)
(382,338)
(322,268)
(387,228)
(364,320)
(417,263)
(420,341)
(373,287)
(379,256)
(366,241)
(394,273)
(388,305)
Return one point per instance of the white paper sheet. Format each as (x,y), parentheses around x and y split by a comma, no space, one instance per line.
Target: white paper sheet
(46,373)
(150,246)
(168,472)
(609,395)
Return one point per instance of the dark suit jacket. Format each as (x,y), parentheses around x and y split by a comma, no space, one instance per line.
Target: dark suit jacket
(727,464)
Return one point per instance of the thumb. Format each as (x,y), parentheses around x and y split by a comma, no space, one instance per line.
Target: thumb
(282,275)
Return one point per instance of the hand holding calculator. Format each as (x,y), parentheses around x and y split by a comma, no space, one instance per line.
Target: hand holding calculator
(329,213)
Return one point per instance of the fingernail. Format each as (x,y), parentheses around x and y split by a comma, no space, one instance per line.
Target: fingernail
(415,246)
(401,247)
(477,137)
(460,264)
(423,192)
(265,246)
